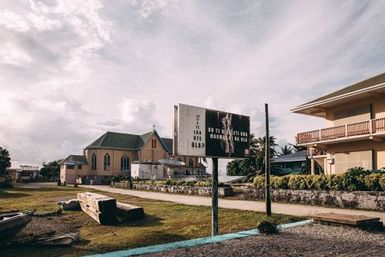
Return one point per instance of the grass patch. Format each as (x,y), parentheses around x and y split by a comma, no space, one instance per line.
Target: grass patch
(165,222)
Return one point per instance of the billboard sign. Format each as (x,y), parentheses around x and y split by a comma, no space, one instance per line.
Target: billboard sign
(210,133)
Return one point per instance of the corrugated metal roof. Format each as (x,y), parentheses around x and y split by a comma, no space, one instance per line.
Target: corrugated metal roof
(75,160)
(293,157)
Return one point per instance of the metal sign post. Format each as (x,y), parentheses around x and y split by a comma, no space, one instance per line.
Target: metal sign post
(267,163)
(202,132)
(214,199)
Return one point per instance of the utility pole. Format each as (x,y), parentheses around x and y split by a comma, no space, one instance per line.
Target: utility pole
(267,163)
(214,199)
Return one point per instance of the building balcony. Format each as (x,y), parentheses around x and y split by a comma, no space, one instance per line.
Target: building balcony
(348,132)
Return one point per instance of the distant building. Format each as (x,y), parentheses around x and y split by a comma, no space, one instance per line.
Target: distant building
(355,132)
(28,172)
(14,171)
(289,163)
(22,172)
(113,154)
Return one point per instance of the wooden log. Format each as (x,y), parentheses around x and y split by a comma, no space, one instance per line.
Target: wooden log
(129,212)
(100,207)
(353,220)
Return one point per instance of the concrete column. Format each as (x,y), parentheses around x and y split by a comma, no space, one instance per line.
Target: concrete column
(312,166)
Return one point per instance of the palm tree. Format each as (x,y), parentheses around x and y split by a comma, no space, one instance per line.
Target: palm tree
(286,149)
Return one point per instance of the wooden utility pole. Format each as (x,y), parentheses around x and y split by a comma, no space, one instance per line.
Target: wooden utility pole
(214,199)
(267,163)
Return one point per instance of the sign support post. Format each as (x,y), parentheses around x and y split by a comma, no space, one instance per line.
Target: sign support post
(214,199)
(267,163)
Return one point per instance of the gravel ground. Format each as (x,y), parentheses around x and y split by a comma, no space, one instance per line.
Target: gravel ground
(311,240)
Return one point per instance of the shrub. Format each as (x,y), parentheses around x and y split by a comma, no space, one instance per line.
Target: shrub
(298,182)
(259,182)
(170,182)
(318,182)
(354,179)
(372,182)
(191,183)
(59,182)
(267,227)
(382,182)
(180,183)
(335,182)
(203,183)
(280,182)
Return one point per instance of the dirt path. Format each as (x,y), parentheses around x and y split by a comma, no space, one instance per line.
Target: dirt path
(279,208)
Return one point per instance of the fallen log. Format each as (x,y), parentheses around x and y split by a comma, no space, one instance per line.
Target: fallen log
(100,207)
(128,212)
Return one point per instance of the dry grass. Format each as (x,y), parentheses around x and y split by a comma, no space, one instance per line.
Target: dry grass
(164,222)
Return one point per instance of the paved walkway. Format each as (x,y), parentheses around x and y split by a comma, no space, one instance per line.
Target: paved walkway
(278,208)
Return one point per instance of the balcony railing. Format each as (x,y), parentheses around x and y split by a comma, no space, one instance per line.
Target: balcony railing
(344,131)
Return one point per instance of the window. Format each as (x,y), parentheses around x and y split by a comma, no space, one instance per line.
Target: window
(79,166)
(107,161)
(93,162)
(70,167)
(124,163)
(190,162)
(153,143)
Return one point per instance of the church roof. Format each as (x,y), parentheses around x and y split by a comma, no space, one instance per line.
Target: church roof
(74,160)
(125,141)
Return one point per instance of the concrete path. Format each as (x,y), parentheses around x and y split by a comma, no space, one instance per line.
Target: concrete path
(278,208)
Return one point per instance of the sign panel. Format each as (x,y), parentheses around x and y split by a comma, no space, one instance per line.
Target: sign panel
(210,133)
(191,130)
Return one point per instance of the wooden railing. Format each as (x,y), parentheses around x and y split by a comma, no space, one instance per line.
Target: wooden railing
(333,133)
(359,128)
(355,129)
(308,137)
(378,125)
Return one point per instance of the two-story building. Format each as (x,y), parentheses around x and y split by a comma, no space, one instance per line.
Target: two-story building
(354,135)
(113,154)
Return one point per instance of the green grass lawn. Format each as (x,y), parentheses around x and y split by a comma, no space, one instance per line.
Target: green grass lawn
(164,222)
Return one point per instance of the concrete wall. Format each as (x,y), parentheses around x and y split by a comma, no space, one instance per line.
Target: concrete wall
(147,171)
(354,200)
(361,108)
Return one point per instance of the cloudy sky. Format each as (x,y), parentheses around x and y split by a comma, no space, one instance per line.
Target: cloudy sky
(71,70)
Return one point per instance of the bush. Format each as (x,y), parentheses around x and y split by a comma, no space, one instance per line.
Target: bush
(298,182)
(382,181)
(267,227)
(191,183)
(259,182)
(319,182)
(170,182)
(372,182)
(203,183)
(336,182)
(181,183)
(280,182)
(354,179)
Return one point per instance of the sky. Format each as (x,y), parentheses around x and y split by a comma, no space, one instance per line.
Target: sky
(72,70)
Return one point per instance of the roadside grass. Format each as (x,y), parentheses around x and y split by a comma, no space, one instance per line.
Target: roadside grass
(165,222)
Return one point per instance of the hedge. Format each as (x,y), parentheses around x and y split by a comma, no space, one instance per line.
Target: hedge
(356,179)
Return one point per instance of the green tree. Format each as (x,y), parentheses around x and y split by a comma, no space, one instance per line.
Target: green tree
(255,162)
(5,161)
(50,170)
(286,149)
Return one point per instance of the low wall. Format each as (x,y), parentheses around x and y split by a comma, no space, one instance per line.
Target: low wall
(187,190)
(354,200)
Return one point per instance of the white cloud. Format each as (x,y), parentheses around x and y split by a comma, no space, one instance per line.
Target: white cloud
(70,70)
